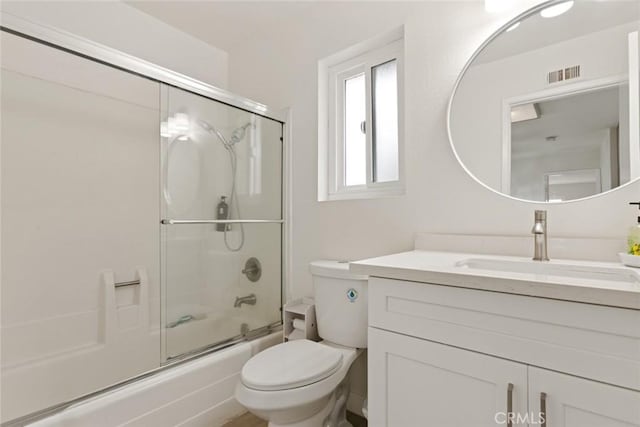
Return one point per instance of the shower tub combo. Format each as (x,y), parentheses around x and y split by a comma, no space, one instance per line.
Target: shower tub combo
(159,252)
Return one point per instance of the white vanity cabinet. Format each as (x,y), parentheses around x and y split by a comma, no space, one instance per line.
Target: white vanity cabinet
(577,402)
(414,382)
(445,356)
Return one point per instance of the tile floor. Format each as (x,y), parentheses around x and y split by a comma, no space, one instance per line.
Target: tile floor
(249,420)
(246,420)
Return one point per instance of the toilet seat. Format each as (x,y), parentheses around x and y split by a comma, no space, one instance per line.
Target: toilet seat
(292,404)
(290,365)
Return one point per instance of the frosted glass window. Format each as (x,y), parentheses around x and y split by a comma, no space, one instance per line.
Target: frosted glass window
(359,117)
(355,140)
(385,121)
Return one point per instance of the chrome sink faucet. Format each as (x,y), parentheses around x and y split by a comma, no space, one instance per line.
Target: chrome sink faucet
(539,231)
(249,299)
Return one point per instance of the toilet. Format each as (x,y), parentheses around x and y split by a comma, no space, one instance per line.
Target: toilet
(302,383)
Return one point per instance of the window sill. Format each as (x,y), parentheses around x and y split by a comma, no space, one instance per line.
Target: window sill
(370,193)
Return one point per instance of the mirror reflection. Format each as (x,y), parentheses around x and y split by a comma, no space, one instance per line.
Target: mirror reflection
(549,109)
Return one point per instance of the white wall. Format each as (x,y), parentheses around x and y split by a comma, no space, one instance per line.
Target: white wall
(441,197)
(125,28)
(528,170)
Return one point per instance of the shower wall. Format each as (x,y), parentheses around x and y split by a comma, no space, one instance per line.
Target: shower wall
(79,211)
(88,170)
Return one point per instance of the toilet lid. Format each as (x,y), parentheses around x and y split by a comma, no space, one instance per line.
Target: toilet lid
(289,365)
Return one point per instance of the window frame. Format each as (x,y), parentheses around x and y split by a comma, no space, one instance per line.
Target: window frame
(335,70)
(337,167)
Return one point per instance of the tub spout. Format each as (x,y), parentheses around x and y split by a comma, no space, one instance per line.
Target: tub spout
(249,299)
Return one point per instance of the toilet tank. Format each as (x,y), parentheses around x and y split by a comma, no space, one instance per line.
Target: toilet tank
(341,299)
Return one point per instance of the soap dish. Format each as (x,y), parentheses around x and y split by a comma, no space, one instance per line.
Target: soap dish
(630,260)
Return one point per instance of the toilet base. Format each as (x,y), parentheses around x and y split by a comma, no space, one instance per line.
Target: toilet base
(334,413)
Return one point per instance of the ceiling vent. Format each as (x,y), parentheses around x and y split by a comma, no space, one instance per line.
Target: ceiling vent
(555,76)
(563,74)
(572,72)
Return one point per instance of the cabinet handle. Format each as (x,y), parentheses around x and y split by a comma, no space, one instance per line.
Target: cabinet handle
(543,409)
(509,405)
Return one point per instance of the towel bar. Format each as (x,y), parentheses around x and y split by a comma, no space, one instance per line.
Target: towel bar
(122,284)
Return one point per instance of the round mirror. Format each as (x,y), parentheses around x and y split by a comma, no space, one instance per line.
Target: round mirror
(548,108)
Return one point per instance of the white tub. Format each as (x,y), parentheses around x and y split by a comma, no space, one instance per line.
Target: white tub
(197,393)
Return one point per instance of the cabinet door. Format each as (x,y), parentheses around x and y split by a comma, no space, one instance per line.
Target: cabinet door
(419,383)
(576,402)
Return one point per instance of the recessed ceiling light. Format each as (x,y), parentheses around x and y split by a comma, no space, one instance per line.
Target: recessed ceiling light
(556,9)
(521,113)
(513,27)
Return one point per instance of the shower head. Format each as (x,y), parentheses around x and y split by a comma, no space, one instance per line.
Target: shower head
(239,133)
(236,136)
(212,130)
(205,125)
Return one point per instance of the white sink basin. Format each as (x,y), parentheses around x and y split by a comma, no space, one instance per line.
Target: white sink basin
(623,275)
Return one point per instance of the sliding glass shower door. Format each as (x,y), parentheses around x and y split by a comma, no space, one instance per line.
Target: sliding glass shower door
(140,222)
(221,208)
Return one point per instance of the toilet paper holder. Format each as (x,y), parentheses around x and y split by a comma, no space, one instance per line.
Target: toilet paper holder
(300,320)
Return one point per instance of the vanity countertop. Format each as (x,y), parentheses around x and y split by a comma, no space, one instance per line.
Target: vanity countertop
(603,283)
